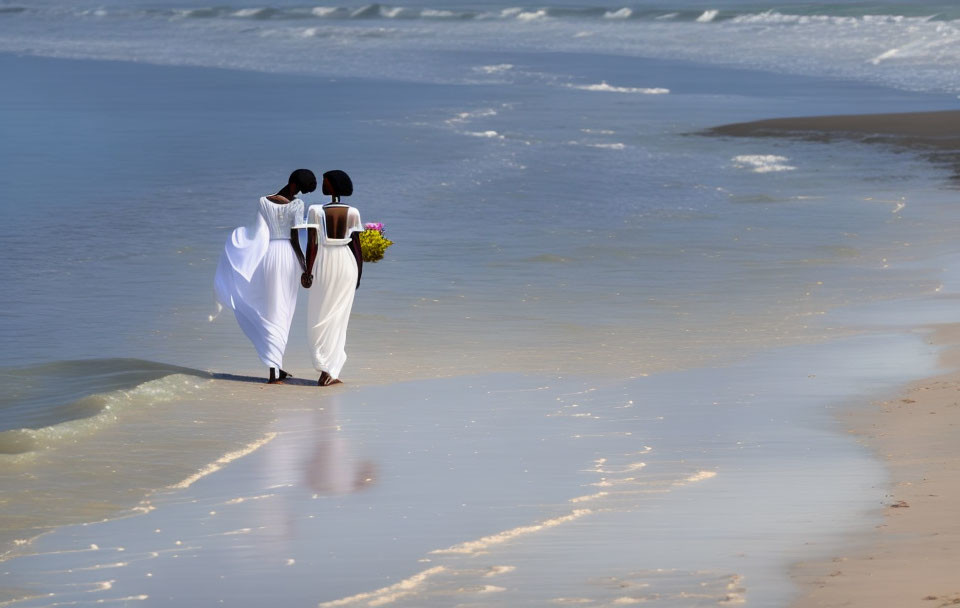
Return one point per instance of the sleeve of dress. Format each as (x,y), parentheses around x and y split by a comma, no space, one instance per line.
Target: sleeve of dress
(315,216)
(353,221)
(298,213)
(354,228)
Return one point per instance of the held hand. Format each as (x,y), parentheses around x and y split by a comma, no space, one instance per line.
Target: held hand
(306,280)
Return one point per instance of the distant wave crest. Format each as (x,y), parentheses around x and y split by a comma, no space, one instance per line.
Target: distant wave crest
(604,87)
(525,14)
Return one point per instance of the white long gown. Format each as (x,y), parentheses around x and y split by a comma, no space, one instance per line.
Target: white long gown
(259,276)
(331,296)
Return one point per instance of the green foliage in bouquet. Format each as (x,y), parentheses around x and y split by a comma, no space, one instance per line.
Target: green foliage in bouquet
(373,245)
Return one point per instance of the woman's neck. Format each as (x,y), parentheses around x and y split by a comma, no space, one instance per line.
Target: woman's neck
(287,192)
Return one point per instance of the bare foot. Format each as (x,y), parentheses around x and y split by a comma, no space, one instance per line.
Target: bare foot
(284,375)
(326,380)
(273,376)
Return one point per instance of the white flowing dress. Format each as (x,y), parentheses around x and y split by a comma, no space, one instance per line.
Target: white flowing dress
(331,296)
(259,276)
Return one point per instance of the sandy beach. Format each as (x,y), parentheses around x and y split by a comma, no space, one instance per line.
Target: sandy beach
(912,558)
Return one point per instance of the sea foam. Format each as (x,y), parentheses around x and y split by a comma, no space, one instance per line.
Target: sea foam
(623,13)
(108,407)
(605,87)
(762,163)
(708,16)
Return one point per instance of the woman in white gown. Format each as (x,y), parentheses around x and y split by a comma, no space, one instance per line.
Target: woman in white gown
(336,265)
(258,272)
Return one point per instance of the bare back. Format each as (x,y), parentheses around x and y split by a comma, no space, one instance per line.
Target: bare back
(336,220)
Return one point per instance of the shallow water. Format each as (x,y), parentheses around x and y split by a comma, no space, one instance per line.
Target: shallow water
(694,488)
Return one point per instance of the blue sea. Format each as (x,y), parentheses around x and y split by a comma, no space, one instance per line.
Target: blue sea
(562,226)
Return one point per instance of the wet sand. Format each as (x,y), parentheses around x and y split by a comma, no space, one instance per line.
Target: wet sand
(912,558)
(922,129)
(934,134)
(500,489)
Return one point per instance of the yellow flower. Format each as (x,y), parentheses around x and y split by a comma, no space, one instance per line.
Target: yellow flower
(373,245)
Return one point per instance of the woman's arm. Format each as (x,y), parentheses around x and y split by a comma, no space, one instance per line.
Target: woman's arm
(295,242)
(358,254)
(312,246)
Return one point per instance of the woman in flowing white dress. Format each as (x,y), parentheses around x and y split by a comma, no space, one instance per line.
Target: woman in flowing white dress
(334,256)
(258,272)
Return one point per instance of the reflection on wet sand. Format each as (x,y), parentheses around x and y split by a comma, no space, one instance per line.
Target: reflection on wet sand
(317,453)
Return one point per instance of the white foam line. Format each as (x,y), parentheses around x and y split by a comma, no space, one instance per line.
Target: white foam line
(229,533)
(466,116)
(143,508)
(606,483)
(699,476)
(481,589)
(494,69)
(589,497)
(498,570)
(223,461)
(388,594)
(91,587)
(102,566)
(490,134)
(18,600)
(101,586)
(475,546)
(240,499)
(762,163)
(630,468)
(603,86)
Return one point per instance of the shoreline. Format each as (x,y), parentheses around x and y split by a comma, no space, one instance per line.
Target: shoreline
(911,557)
(937,129)
(523,467)
(935,134)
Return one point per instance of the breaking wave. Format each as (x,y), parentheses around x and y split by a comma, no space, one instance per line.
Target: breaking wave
(46,405)
(839,12)
(907,46)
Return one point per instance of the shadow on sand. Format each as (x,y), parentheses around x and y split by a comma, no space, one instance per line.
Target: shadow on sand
(254,379)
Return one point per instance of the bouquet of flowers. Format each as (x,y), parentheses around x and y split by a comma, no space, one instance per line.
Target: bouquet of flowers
(372,242)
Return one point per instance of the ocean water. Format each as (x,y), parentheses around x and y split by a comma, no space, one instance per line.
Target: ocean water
(555,210)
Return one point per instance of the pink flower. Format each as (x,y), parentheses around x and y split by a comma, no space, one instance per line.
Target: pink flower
(378,226)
